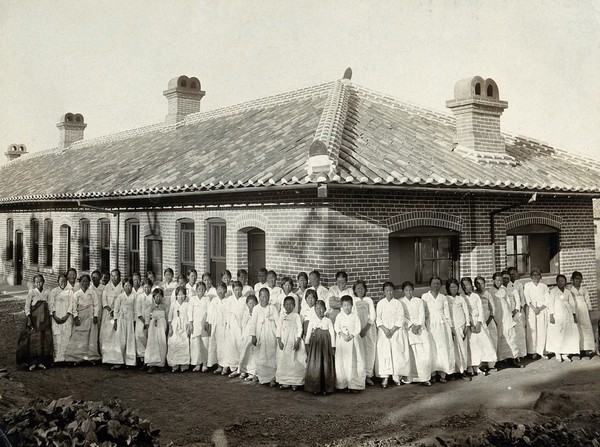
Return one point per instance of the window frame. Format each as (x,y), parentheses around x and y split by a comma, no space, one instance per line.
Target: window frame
(48,242)
(553,247)
(10,239)
(133,254)
(85,243)
(34,227)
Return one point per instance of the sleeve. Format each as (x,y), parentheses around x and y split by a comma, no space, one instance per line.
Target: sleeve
(491,305)
(546,294)
(73,304)
(550,303)
(51,299)
(278,327)
(170,312)
(96,302)
(308,332)
(138,305)
(28,303)
(527,293)
(337,326)
(572,302)
(586,297)
(357,326)
(447,316)
(399,315)
(117,306)
(372,314)
(299,325)
(252,324)
(190,309)
(332,334)
(210,312)
(105,297)
(479,310)
(420,317)
(465,310)
(380,313)
(519,294)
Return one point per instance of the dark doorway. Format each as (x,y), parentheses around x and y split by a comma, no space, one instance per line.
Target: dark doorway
(154,256)
(19,259)
(256,254)
(217,253)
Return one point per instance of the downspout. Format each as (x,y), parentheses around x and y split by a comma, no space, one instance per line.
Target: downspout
(493,214)
(114,213)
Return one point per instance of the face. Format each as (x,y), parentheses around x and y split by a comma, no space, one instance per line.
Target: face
(84,283)
(137,281)
(408,292)
(263,299)
(71,276)
(535,277)
(181,297)
(467,287)
(147,289)
(226,278)
(313,280)
(310,300)
(105,279)
(206,279)
(271,280)
(62,282)
(237,291)
(115,278)
(360,291)
(192,277)
(302,282)
(498,281)
(168,277)
(577,281)
(388,292)
(287,287)
(505,279)
(320,311)
(127,288)
(561,283)
(201,290)
(453,289)
(288,305)
(514,275)
(251,305)
(435,285)
(221,291)
(243,278)
(38,282)
(96,279)
(262,277)
(341,282)
(152,277)
(158,298)
(479,285)
(182,282)
(347,307)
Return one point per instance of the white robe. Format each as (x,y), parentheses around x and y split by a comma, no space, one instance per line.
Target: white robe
(507,335)
(83,344)
(438,323)
(515,294)
(125,333)
(232,333)
(178,344)
(247,362)
(291,365)
(584,323)
(216,343)
(393,354)
(60,301)
(143,307)
(563,334)
(109,344)
(263,325)
(349,359)
(459,318)
(156,347)
(537,325)
(481,347)
(365,309)
(199,340)
(420,343)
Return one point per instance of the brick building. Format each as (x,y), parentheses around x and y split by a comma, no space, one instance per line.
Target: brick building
(334,176)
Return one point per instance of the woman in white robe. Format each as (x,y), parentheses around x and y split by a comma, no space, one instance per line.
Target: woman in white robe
(232,330)
(59,305)
(199,338)
(537,296)
(216,323)
(418,337)
(83,345)
(563,334)
(349,359)
(155,354)
(505,310)
(291,353)
(124,320)
(584,306)
(263,330)
(178,342)
(489,311)
(247,364)
(365,309)
(459,323)
(144,302)
(109,344)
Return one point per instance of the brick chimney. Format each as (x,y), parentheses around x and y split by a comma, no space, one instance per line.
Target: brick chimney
(477,108)
(184,95)
(14,151)
(71,126)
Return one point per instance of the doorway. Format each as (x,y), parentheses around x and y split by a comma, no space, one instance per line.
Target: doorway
(256,254)
(19,258)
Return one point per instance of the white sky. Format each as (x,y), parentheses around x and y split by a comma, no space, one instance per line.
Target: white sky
(111,60)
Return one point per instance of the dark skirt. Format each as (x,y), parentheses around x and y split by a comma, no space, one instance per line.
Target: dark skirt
(320,367)
(35,344)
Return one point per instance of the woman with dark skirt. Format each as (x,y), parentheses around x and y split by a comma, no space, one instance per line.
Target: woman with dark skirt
(35,346)
(320,343)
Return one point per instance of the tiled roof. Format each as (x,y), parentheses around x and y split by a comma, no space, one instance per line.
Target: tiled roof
(370,139)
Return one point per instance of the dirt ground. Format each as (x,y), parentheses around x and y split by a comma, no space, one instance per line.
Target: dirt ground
(202,409)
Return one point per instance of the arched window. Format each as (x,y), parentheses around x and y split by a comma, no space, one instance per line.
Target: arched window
(533,246)
(64,249)
(84,241)
(217,248)
(490,90)
(478,89)
(48,241)
(183,83)
(10,242)
(34,257)
(104,244)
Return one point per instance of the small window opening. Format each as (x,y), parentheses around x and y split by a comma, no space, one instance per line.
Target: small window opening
(183,83)
(490,90)
(478,89)
(78,119)
(194,85)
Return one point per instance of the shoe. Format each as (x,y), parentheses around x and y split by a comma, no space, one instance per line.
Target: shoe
(428,383)
(284,387)
(369,381)
(467,378)
(196,369)
(443,380)
(234,374)
(115,367)
(152,370)
(397,383)
(204,369)
(294,388)
(41,366)
(32,367)
(243,376)
(384,383)
(225,372)
(535,356)
(219,370)
(272,383)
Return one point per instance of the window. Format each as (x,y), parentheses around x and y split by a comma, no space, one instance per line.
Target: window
(478,89)
(9,239)
(85,244)
(133,246)
(417,254)
(35,242)
(217,247)
(154,256)
(48,241)
(490,90)
(187,254)
(533,246)
(104,229)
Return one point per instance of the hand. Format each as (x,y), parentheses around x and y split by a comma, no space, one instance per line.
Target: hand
(78,321)
(155,323)
(478,327)
(115,325)
(552,320)
(416,329)
(280,343)
(575,318)
(297,344)
(514,312)
(56,318)
(465,330)
(170,331)
(536,309)
(146,326)
(363,333)
(254,340)
(95,320)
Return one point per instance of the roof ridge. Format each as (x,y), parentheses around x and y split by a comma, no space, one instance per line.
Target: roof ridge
(325,147)
(258,103)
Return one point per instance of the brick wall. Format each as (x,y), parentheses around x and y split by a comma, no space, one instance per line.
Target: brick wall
(349,230)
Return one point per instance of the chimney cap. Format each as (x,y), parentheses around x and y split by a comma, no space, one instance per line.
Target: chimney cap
(184,83)
(16,148)
(476,87)
(69,118)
